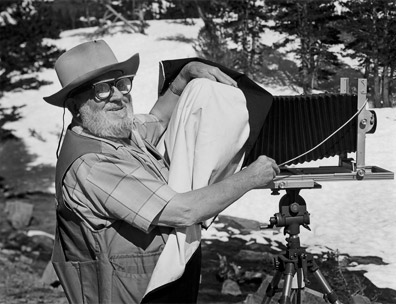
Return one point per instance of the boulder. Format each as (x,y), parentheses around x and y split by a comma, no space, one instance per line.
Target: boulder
(19,214)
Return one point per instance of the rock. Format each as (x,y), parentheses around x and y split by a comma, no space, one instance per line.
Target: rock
(26,260)
(359,299)
(41,243)
(242,224)
(366,260)
(254,256)
(19,214)
(260,294)
(249,275)
(231,287)
(16,240)
(312,296)
(10,252)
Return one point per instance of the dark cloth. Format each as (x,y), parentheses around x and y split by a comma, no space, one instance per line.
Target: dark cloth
(185,289)
(258,100)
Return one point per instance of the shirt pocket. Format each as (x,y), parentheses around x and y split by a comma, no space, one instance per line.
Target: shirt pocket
(131,275)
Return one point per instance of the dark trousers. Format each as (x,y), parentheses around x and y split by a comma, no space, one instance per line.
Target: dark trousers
(182,291)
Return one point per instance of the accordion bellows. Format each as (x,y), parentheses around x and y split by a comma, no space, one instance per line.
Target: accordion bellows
(296,124)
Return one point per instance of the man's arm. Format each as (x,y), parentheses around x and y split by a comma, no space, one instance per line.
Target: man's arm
(192,207)
(186,209)
(166,103)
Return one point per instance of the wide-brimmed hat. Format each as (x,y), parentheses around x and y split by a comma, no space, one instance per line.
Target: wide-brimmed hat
(84,63)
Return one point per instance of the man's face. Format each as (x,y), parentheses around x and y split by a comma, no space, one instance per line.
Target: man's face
(111,117)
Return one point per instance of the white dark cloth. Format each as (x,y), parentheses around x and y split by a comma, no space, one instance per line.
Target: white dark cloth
(204,142)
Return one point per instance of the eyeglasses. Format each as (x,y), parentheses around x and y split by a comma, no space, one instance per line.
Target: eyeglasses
(104,88)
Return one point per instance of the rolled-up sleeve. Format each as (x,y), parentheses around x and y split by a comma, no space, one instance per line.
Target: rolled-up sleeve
(121,190)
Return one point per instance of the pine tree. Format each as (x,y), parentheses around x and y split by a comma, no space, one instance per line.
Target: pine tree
(24,26)
(232,34)
(309,27)
(371,25)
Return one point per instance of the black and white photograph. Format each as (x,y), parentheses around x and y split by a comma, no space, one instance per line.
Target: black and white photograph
(197,151)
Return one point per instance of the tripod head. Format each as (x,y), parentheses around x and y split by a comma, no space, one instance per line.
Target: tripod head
(292,213)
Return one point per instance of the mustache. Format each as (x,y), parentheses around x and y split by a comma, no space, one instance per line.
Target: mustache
(97,122)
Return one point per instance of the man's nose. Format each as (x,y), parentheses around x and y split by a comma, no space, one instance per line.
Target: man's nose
(116,94)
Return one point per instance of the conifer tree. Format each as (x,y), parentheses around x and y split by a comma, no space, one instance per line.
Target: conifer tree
(23,27)
(309,28)
(232,34)
(371,24)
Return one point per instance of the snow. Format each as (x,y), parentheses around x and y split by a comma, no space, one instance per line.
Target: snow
(354,217)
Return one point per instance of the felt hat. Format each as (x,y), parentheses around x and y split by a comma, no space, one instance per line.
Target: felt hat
(84,63)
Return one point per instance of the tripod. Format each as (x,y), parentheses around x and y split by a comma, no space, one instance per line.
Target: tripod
(295,261)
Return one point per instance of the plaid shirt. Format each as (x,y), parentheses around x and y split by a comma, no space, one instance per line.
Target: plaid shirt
(128,181)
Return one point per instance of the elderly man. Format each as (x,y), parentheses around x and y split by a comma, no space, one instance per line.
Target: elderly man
(115,208)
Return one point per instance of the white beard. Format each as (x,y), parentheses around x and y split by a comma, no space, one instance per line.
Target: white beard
(96,122)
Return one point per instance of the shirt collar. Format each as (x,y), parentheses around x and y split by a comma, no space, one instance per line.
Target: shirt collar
(114,142)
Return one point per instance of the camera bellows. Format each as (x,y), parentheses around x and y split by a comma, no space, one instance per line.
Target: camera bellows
(296,124)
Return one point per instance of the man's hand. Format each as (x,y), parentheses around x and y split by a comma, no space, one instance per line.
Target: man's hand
(183,209)
(195,69)
(262,171)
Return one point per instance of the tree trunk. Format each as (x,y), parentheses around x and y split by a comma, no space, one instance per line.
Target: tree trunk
(377,85)
(367,64)
(304,72)
(385,87)
(306,80)
(391,83)
(87,12)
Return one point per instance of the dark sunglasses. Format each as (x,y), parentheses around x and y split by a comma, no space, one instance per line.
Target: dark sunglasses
(104,89)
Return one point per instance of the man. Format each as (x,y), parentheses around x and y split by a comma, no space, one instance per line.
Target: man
(115,209)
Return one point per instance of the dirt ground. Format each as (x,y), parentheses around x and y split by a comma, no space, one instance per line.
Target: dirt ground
(232,272)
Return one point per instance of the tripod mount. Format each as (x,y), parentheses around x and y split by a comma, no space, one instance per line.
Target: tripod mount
(295,263)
